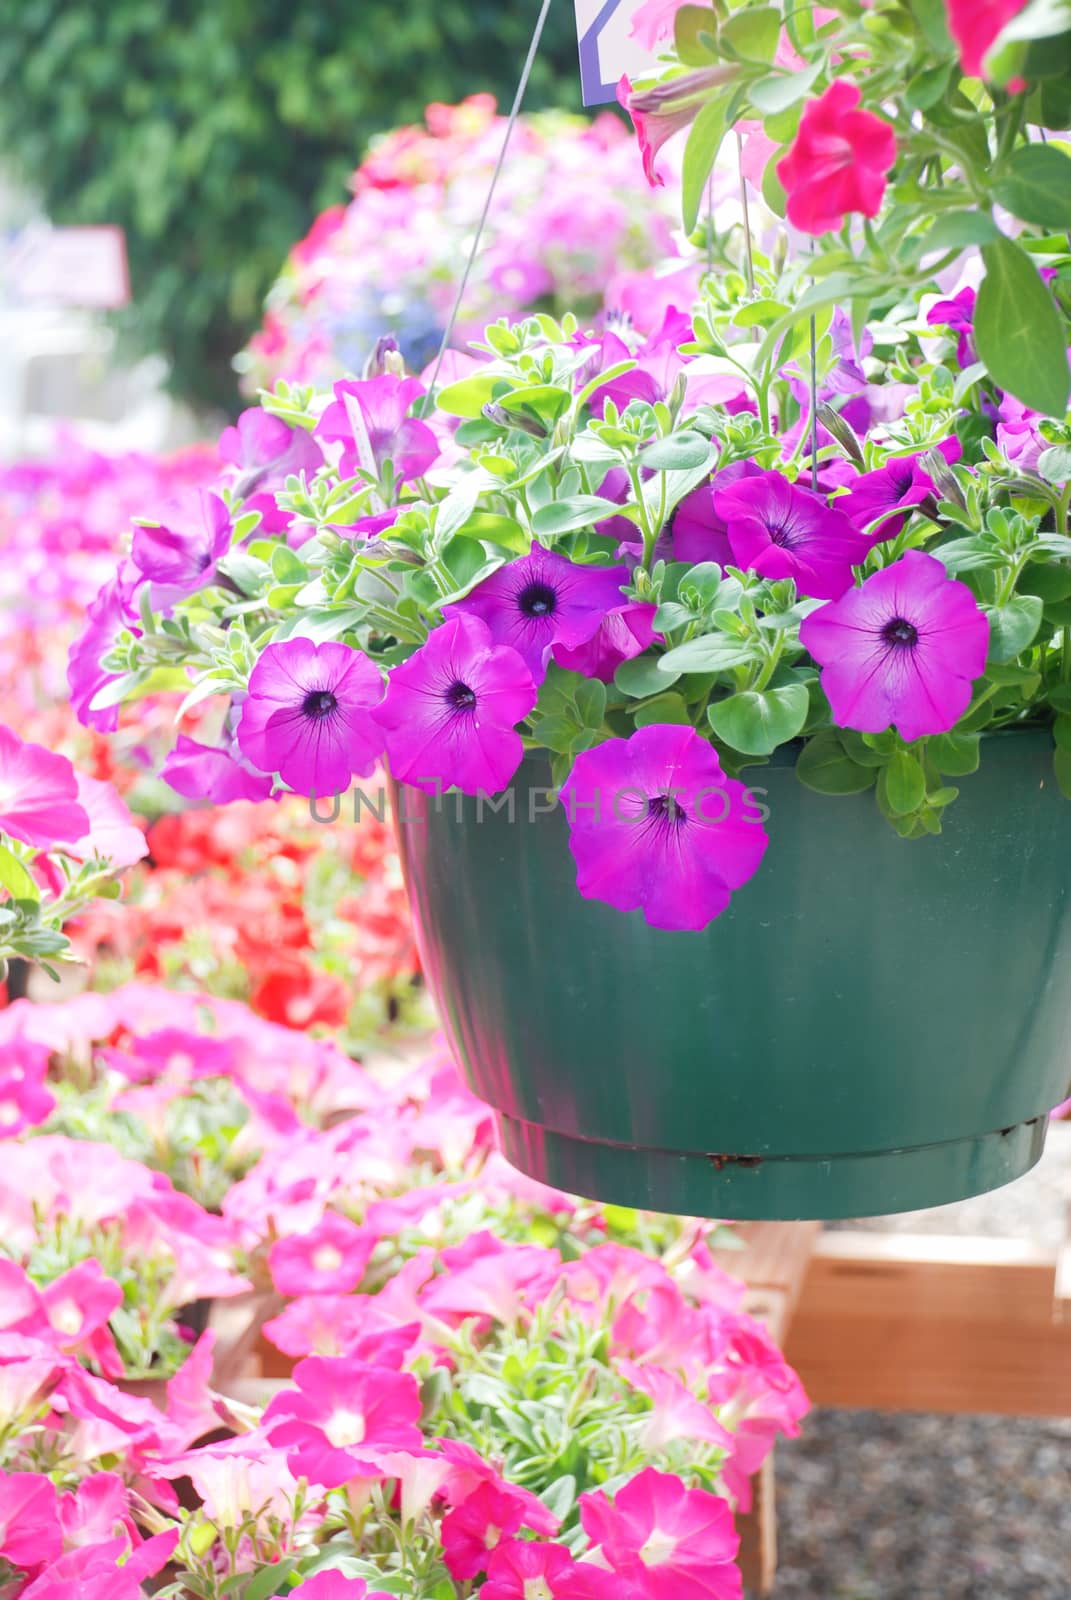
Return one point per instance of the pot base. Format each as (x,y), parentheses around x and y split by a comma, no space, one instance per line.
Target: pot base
(774,1188)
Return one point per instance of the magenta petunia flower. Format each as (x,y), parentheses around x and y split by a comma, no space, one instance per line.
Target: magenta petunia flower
(699,534)
(621,635)
(39,802)
(542,600)
(307,715)
(204,772)
(1018,434)
(451,711)
(475,1527)
(957,315)
(180,556)
(330,1259)
(375,411)
(525,1569)
(656,826)
(903,650)
(335,1586)
(674,1543)
(267,451)
(341,1416)
(109,616)
(30,1533)
(781,530)
(837,162)
(975,25)
(897,487)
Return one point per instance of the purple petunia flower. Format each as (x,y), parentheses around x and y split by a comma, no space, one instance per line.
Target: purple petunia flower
(378,409)
(307,715)
(542,600)
(180,556)
(903,650)
(620,636)
(780,530)
(266,451)
(699,534)
(957,315)
(451,711)
(656,826)
(899,485)
(109,616)
(205,772)
(1018,435)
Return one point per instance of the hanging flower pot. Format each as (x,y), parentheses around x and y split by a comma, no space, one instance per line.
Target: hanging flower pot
(772,592)
(873,1026)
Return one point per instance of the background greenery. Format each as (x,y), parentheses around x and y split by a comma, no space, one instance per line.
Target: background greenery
(213,131)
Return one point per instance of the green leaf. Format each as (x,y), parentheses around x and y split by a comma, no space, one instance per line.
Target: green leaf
(269,1580)
(468,398)
(929,86)
(1035,184)
(902,783)
(1018,331)
(954,754)
(715,652)
(14,877)
(1054,464)
(678,452)
(955,230)
(1061,732)
(670,708)
(490,528)
(700,154)
(752,33)
(286,567)
(1013,626)
(755,722)
(781,90)
(574,512)
(824,767)
(689,27)
(642,676)
(543,400)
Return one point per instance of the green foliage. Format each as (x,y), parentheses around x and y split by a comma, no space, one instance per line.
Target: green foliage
(213,131)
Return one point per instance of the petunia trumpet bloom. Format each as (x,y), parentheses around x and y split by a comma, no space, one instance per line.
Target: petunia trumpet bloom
(451,711)
(900,651)
(668,108)
(780,530)
(671,1542)
(307,715)
(39,802)
(975,25)
(370,417)
(879,502)
(328,1260)
(837,162)
(656,826)
(542,600)
(342,1415)
(182,554)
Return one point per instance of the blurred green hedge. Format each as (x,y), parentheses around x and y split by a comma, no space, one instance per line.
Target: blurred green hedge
(214,130)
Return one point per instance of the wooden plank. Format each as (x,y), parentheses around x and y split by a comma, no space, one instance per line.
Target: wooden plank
(901,1322)
(758,1534)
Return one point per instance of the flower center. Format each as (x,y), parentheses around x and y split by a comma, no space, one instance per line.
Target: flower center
(461,697)
(662,808)
(65,1317)
(781,534)
(538,600)
(537,1589)
(327,1258)
(10,1113)
(319,703)
(345,1428)
(901,633)
(658,1549)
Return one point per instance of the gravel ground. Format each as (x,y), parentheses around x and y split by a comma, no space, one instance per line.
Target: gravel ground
(873,1506)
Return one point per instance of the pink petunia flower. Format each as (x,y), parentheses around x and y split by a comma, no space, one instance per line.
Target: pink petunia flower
(654,20)
(24,1100)
(98,1510)
(370,416)
(676,1413)
(903,650)
(113,834)
(451,710)
(474,1529)
(780,530)
(181,555)
(333,1586)
(39,802)
(204,772)
(975,25)
(109,615)
(837,162)
(624,633)
(1018,435)
(307,715)
(30,1533)
(542,600)
(341,1415)
(523,1569)
(668,108)
(671,1542)
(656,826)
(330,1259)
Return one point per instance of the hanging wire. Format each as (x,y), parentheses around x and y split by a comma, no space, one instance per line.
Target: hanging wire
(518,99)
(814,406)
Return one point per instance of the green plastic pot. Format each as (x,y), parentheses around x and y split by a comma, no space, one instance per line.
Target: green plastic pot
(874,1026)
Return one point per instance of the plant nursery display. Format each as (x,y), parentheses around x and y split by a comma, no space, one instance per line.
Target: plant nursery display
(572,227)
(722,671)
(490,1385)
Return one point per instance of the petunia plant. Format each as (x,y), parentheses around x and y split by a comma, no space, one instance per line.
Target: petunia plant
(819,518)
